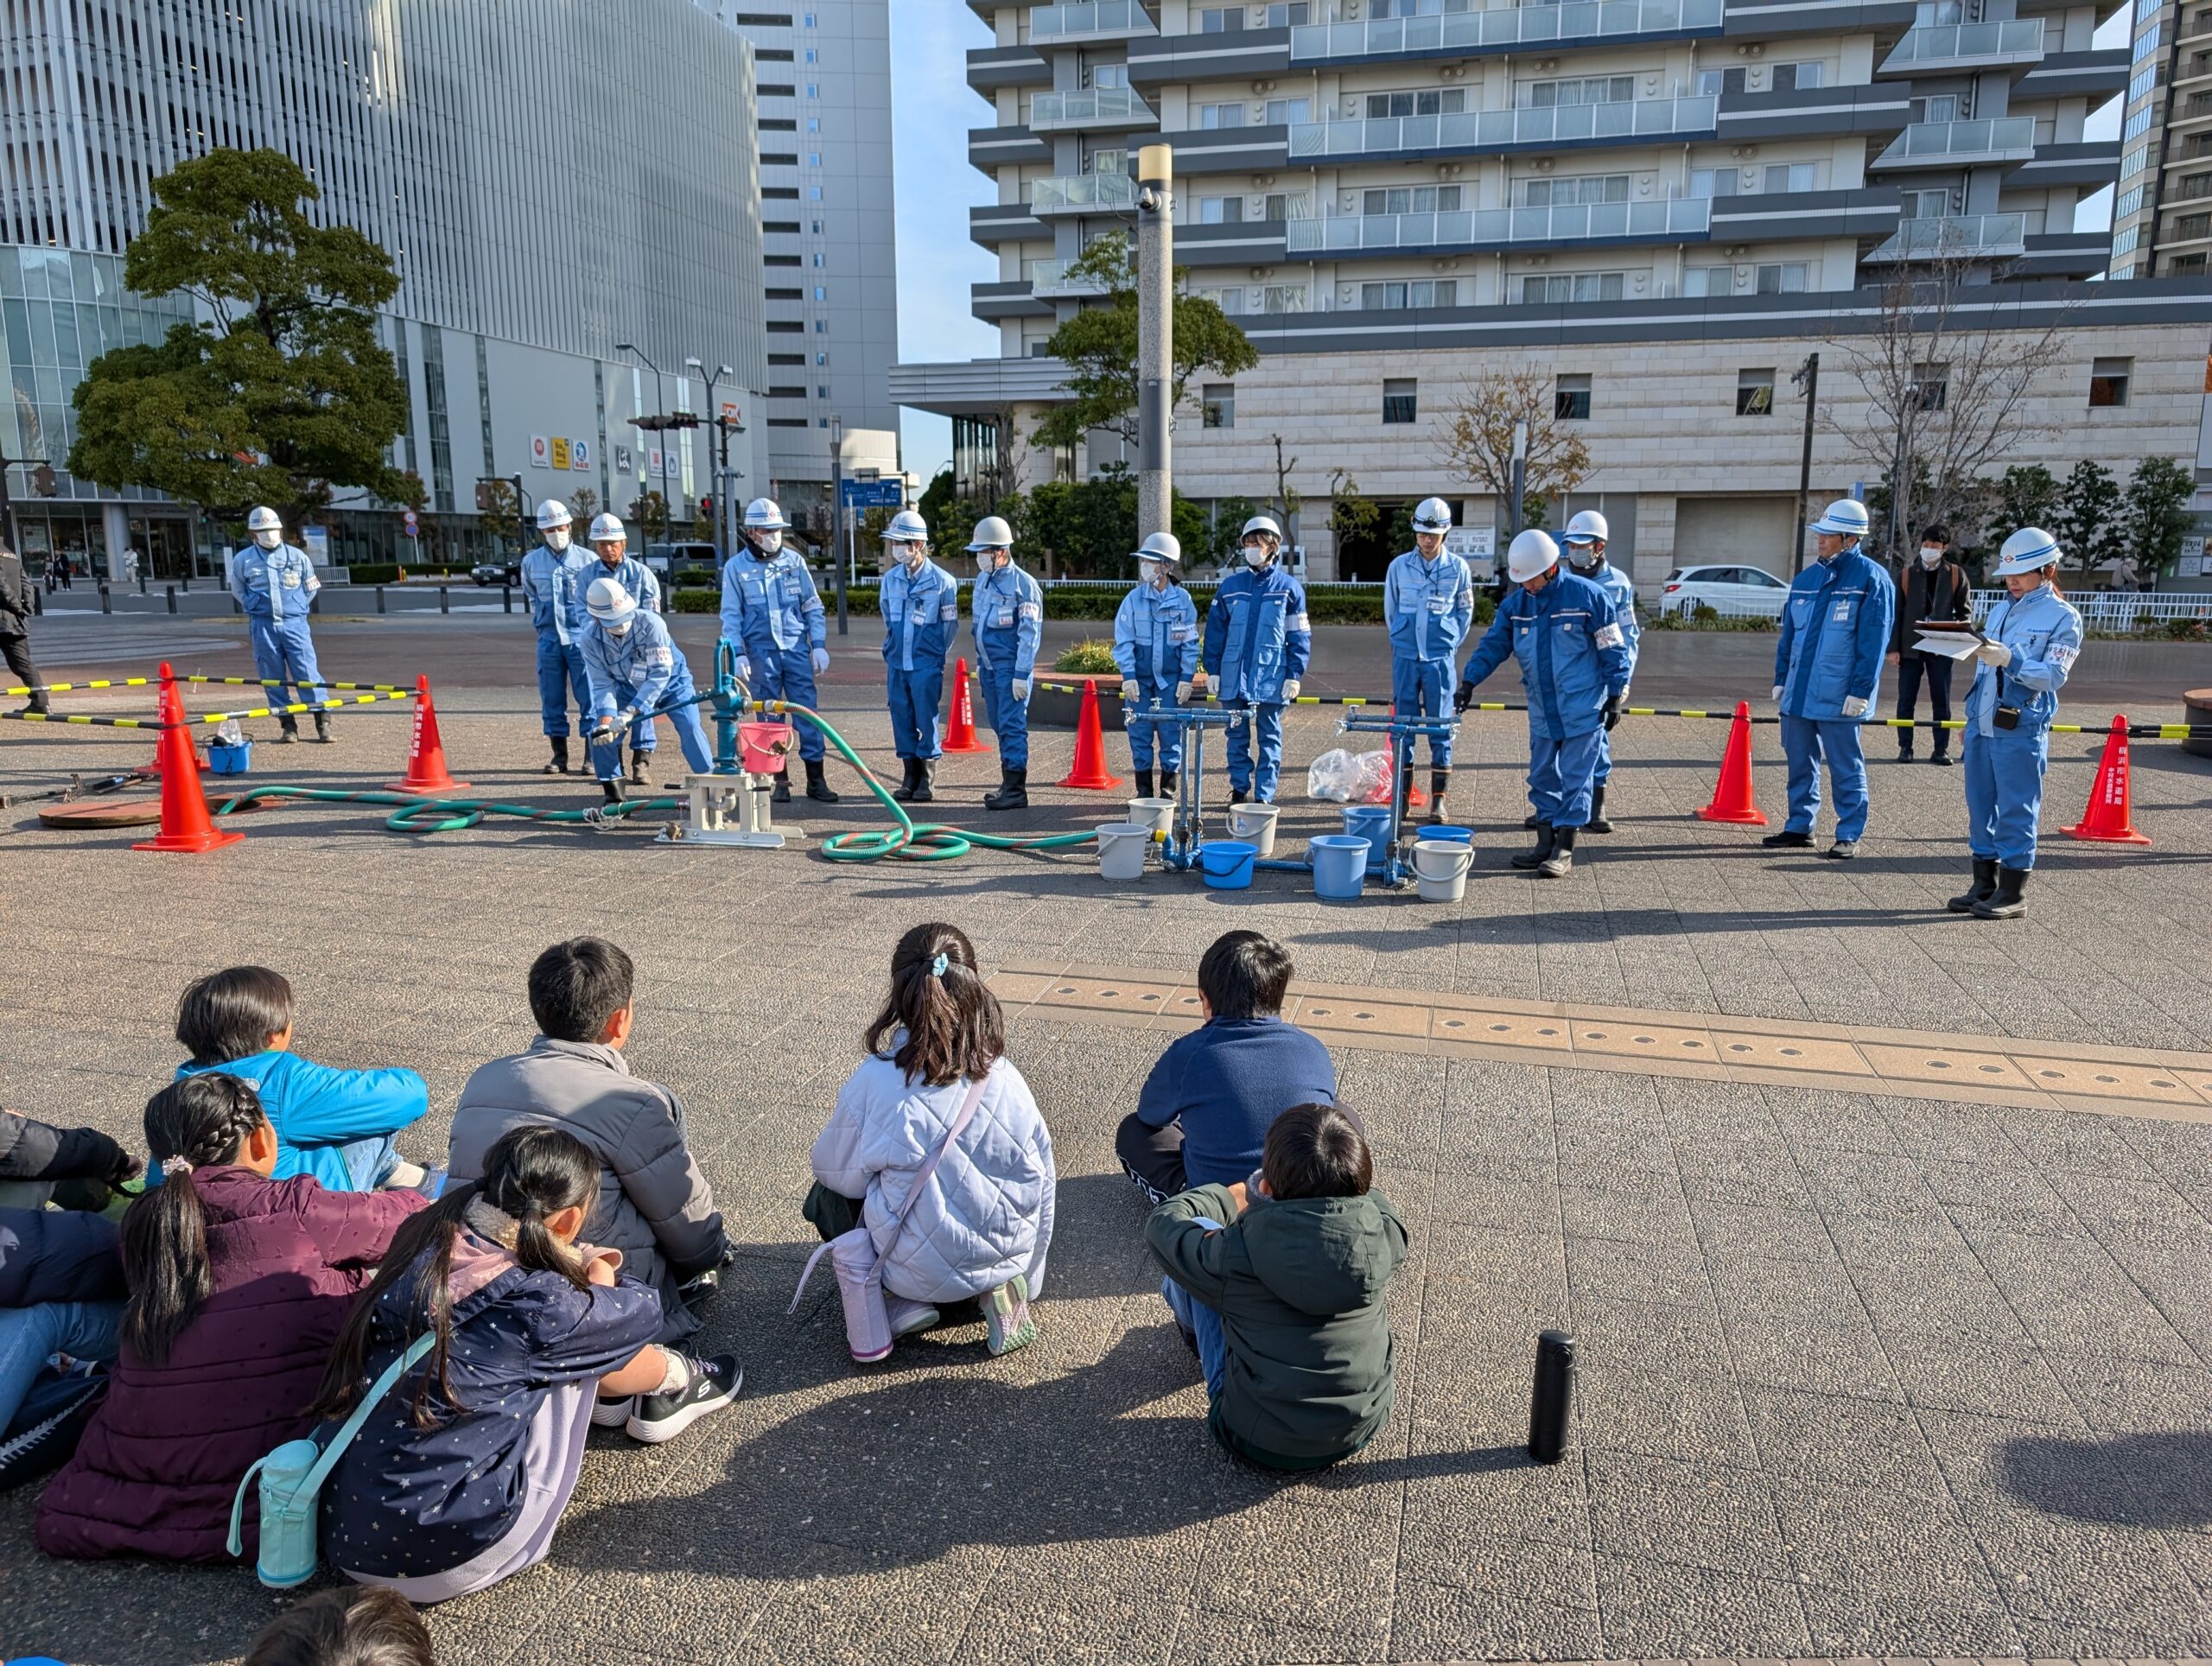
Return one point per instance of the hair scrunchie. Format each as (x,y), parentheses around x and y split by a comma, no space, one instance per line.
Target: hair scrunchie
(937,966)
(172,1167)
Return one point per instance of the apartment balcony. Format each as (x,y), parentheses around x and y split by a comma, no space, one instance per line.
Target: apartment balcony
(995,302)
(1555,127)
(2092,162)
(990,149)
(1792,216)
(2095,76)
(1870,109)
(1934,48)
(2064,255)
(1232,54)
(1049,281)
(1089,109)
(1675,221)
(994,223)
(1078,22)
(1961,144)
(1765,20)
(1576,24)
(990,68)
(1083,193)
(1953,237)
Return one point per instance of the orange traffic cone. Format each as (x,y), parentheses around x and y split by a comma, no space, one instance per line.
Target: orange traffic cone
(154,769)
(426,757)
(960,733)
(1731,797)
(1089,771)
(186,824)
(2106,820)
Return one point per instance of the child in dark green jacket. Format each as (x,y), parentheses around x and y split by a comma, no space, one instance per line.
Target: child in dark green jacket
(1296,1269)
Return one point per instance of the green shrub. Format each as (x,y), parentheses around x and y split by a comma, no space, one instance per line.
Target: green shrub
(1705,613)
(1091,656)
(690,599)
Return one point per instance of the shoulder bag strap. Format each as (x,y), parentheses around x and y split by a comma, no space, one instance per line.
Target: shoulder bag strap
(960,1121)
(351,1427)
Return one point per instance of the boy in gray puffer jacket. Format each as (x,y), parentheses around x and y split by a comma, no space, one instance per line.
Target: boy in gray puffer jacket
(1296,1269)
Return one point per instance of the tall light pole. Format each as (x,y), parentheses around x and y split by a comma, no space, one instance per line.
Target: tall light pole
(1807,376)
(1155,338)
(660,401)
(725,534)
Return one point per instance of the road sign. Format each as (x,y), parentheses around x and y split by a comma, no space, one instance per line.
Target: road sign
(873,494)
(408,520)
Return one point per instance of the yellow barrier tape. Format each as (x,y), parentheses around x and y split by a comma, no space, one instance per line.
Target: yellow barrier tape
(304,705)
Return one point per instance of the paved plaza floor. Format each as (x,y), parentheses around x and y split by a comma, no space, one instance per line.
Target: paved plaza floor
(1886,1235)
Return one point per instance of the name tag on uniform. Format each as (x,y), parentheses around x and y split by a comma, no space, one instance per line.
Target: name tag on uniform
(1440,604)
(1180,633)
(919,615)
(291,581)
(1843,615)
(1002,621)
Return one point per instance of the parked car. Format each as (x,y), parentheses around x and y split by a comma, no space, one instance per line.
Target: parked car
(497,572)
(669,560)
(1737,592)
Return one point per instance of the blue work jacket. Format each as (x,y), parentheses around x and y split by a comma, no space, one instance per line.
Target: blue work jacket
(274,583)
(1156,638)
(770,605)
(1428,605)
(2044,631)
(1257,636)
(1008,611)
(921,615)
(1621,589)
(1835,636)
(633,671)
(1574,658)
(635,577)
(553,586)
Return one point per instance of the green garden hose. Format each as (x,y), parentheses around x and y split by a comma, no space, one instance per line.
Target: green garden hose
(415,815)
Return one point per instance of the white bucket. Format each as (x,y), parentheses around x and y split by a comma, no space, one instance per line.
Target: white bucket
(1154,813)
(1440,868)
(1122,846)
(1256,826)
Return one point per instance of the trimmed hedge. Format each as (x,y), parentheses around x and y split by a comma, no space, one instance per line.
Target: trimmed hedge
(1101,603)
(386,572)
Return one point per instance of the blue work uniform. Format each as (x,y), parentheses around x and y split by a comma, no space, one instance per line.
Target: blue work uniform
(1428,602)
(1621,590)
(1155,647)
(637,579)
(1573,659)
(921,616)
(275,587)
(1257,639)
(2004,767)
(640,672)
(771,613)
(553,588)
(1835,637)
(1008,609)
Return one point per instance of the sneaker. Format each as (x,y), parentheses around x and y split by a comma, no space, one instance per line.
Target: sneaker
(611,1413)
(1842,850)
(1007,1322)
(1787,840)
(52,1420)
(908,1317)
(714,1384)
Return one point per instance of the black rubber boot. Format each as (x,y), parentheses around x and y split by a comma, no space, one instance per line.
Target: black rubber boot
(1787,840)
(288,729)
(637,762)
(1598,824)
(558,764)
(817,787)
(1237,795)
(1144,784)
(1014,791)
(1546,838)
(1167,784)
(1983,888)
(2006,904)
(1440,785)
(924,780)
(782,795)
(1530,821)
(612,790)
(904,791)
(323,728)
(1560,863)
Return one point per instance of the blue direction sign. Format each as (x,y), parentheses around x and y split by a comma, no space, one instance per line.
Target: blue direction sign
(873,494)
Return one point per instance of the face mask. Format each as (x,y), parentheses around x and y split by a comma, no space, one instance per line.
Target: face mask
(269,540)
(556,540)
(1255,555)
(768,543)
(1929,557)
(618,632)
(1148,572)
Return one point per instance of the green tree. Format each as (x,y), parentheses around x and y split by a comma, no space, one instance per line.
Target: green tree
(2089,519)
(647,516)
(2157,516)
(284,393)
(1226,526)
(1099,347)
(1352,515)
(2027,495)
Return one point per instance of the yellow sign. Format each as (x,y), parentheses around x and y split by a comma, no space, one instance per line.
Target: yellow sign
(560,452)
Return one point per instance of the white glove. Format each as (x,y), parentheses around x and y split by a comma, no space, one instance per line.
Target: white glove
(1019,688)
(1182,692)
(1290,690)
(622,720)
(744,669)
(1995,653)
(821,658)
(1777,690)
(1853,706)
(1129,688)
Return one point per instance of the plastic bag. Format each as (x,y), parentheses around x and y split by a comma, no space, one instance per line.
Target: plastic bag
(229,733)
(1343,777)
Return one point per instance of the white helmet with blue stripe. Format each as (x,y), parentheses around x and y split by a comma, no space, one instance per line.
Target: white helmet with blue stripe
(1588,526)
(2027,549)
(1161,546)
(1844,518)
(609,601)
(1432,515)
(991,533)
(552,513)
(264,519)
(906,527)
(762,515)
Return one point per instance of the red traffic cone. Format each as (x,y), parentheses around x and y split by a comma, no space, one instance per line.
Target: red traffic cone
(154,769)
(1089,771)
(186,824)
(960,732)
(426,757)
(1731,797)
(2106,820)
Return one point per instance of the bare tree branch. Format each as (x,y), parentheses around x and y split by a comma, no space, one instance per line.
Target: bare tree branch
(1475,441)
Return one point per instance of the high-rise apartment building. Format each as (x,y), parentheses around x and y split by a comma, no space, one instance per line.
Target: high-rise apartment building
(535,232)
(2162,217)
(1662,203)
(826,208)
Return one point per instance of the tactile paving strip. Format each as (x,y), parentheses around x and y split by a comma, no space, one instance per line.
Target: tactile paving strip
(1988,1070)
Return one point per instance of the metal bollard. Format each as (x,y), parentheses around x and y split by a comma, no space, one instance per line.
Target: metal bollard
(1553,1397)
(506,599)
(107,602)
(142,582)
(170,590)
(379,598)
(445,600)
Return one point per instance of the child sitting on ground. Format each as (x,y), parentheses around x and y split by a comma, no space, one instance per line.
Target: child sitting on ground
(346,1627)
(69,1167)
(983,1227)
(337,1125)
(238,1286)
(652,1203)
(1206,1107)
(1300,1375)
(460,1473)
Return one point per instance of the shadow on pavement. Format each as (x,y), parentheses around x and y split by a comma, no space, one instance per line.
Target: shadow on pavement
(2161,1480)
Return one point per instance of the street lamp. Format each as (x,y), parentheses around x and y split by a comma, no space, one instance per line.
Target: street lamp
(660,405)
(725,536)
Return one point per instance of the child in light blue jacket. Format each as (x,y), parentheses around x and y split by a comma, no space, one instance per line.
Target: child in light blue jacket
(339,1126)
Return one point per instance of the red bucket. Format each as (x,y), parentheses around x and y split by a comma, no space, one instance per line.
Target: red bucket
(764,748)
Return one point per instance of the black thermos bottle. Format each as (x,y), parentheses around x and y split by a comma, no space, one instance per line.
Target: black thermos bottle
(1552,1401)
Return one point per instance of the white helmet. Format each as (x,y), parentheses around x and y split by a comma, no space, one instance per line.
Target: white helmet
(991,533)
(608,602)
(1261,523)
(906,527)
(2026,550)
(1531,552)
(1434,515)
(606,527)
(552,513)
(1161,546)
(264,519)
(1846,517)
(1588,526)
(762,515)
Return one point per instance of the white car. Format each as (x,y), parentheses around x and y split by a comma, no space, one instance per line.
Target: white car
(1733,592)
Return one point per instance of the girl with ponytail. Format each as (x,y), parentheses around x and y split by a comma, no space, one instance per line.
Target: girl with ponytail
(238,1285)
(981,1229)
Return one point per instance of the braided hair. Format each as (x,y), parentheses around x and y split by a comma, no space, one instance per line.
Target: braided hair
(195,1123)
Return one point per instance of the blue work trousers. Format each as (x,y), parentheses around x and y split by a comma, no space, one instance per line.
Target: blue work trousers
(1008,717)
(1804,742)
(915,696)
(1605,770)
(788,674)
(1236,744)
(1561,775)
(690,734)
(1202,1322)
(283,650)
(2005,774)
(561,671)
(1145,731)
(1422,688)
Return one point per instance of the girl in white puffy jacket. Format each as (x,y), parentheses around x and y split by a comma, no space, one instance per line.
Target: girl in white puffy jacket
(981,1229)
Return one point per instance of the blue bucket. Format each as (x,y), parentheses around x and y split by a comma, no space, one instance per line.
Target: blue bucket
(1450,835)
(1372,824)
(230,760)
(1228,864)
(1339,864)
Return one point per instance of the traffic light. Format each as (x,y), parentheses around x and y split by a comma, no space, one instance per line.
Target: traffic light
(706,506)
